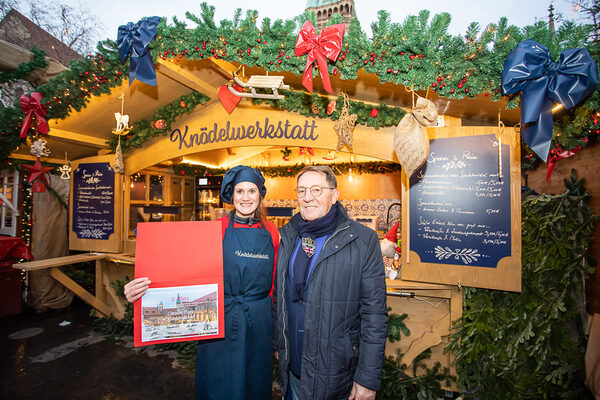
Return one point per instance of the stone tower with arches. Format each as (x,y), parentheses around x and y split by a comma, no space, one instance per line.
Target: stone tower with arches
(325,9)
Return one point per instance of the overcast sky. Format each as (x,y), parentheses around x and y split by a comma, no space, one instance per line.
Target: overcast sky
(113,13)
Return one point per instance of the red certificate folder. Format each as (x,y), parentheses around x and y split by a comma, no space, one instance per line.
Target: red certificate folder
(184,262)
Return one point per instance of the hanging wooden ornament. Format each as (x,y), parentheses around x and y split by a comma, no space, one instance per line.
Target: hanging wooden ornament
(345,125)
(123,128)
(65,169)
(39,149)
(315,109)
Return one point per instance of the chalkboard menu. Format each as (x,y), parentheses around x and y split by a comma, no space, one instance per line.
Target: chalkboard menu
(93,201)
(460,205)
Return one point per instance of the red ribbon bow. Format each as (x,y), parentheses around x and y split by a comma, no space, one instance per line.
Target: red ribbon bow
(328,45)
(32,106)
(559,156)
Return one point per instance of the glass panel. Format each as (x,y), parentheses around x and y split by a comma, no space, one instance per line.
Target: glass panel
(9,193)
(176,189)
(137,187)
(185,214)
(156,187)
(136,214)
(8,221)
(188,190)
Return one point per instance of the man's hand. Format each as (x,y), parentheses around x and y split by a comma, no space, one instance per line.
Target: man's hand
(361,393)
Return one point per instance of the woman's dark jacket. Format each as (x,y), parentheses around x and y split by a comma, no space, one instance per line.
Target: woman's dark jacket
(345,328)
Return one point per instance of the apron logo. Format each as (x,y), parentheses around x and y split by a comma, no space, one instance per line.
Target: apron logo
(251,255)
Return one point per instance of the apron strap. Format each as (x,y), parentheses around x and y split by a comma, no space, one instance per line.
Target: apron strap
(241,300)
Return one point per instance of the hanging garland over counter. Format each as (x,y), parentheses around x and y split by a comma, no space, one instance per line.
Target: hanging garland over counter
(292,170)
(418,53)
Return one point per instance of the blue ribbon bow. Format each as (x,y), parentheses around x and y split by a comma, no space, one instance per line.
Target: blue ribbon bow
(135,39)
(530,68)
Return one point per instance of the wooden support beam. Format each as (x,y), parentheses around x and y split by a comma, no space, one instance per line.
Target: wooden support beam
(79,291)
(185,77)
(79,138)
(227,67)
(59,261)
(33,158)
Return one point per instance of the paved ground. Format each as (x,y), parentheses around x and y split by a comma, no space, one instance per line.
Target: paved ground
(75,362)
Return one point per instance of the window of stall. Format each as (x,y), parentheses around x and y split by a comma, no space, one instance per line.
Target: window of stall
(182,196)
(146,189)
(156,196)
(9,190)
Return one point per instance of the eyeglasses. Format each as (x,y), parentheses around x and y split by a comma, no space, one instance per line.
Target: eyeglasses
(316,190)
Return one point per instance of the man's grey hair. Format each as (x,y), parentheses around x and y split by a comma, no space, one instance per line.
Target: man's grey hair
(321,169)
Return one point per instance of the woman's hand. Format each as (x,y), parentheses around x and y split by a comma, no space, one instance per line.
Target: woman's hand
(136,289)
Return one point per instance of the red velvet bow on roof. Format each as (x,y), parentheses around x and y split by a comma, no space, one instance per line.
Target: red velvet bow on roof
(559,156)
(321,47)
(32,106)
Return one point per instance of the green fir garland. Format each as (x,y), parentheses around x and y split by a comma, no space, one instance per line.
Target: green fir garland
(144,130)
(293,170)
(418,53)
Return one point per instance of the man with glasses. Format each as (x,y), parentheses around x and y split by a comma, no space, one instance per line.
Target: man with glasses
(329,302)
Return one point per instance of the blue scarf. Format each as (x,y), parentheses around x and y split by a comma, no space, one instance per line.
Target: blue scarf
(308,232)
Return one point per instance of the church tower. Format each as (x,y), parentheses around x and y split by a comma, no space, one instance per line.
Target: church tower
(325,9)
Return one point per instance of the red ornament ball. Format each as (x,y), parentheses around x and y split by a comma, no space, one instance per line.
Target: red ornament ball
(160,124)
(452,91)
(389,70)
(331,107)
(460,85)
(434,84)
(182,104)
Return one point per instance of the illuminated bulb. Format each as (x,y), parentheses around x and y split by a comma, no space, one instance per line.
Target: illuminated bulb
(350,177)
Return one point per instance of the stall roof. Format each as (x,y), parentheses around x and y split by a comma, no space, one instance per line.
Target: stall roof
(86,133)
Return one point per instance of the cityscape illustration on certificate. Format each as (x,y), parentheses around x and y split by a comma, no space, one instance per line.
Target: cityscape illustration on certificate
(180,312)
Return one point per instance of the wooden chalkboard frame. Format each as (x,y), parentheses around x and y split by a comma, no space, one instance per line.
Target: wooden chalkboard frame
(507,274)
(114,242)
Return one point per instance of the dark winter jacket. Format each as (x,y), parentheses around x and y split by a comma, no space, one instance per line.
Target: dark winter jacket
(345,327)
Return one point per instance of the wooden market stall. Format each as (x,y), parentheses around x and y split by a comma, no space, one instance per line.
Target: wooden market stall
(185,135)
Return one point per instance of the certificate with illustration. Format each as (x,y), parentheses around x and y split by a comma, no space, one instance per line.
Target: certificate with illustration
(180,312)
(184,262)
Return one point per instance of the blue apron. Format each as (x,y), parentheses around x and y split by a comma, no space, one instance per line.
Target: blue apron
(239,367)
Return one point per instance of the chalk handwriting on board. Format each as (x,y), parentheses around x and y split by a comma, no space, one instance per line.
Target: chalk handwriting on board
(460,208)
(93,201)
